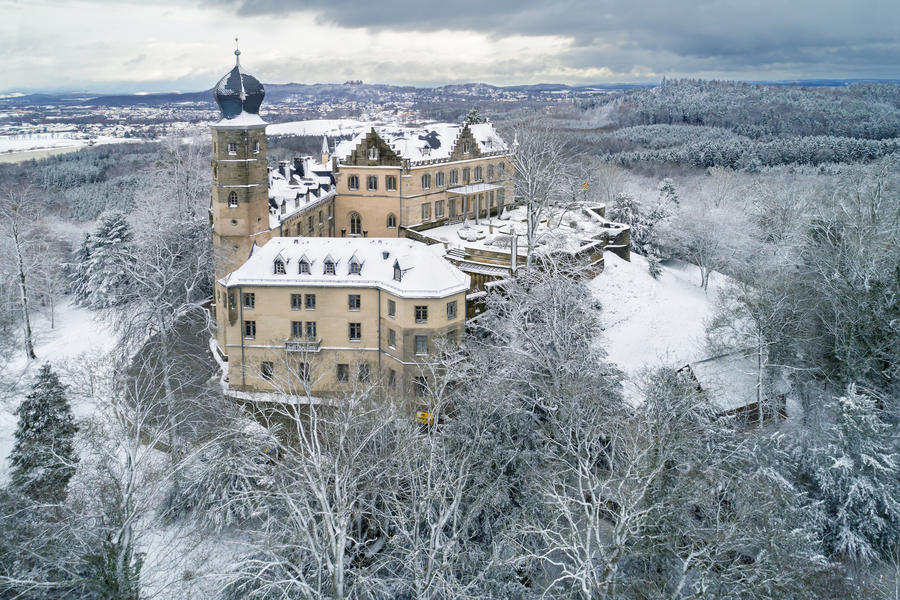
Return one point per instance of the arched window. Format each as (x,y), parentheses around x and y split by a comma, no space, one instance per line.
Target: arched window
(372,182)
(391,221)
(353,182)
(232,200)
(355,224)
(426,181)
(490,172)
(373,153)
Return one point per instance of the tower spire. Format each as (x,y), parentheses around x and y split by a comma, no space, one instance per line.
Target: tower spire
(237,53)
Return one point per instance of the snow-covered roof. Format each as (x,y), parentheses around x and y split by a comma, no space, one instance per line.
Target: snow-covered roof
(425,274)
(474,188)
(731,380)
(297,185)
(241,121)
(431,143)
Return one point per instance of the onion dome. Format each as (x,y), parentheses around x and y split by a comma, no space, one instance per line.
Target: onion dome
(238,92)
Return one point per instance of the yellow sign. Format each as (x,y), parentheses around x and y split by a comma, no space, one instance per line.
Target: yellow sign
(425,418)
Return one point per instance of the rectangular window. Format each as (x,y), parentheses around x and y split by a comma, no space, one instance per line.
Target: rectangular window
(426,181)
(438,209)
(365,372)
(421,314)
(320,217)
(250,329)
(309,301)
(296,329)
(343,372)
(439,179)
(373,153)
(426,212)
(329,268)
(501,193)
(454,176)
(451,310)
(390,182)
(310,224)
(355,332)
(477,173)
(392,308)
(353,301)
(466,172)
(304,267)
(421,345)
(419,386)
(249,300)
(267,370)
(296,301)
(232,148)
(452,207)
(255,147)
(392,338)
(372,182)
(311,329)
(353,182)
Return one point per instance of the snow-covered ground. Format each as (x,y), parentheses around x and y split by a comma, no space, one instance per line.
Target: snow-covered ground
(11,146)
(649,322)
(77,336)
(319,127)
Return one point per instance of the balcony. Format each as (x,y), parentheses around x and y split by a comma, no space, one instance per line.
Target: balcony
(302,345)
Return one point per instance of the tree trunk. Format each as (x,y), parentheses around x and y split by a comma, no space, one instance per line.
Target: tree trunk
(23,296)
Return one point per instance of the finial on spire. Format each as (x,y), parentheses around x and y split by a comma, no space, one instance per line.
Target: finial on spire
(237,53)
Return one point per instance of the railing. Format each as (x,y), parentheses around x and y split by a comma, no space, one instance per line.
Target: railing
(302,345)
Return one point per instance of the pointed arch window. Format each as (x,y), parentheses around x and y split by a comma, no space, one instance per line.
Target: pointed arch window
(353,182)
(391,221)
(232,200)
(373,153)
(355,224)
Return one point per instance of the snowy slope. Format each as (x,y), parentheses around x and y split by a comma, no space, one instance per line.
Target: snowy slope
(319,127)
(77,334)
(649,321)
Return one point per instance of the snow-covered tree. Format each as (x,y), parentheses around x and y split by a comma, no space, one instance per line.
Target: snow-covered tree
(473,117)
(18,220)
(43,457)
(854,469)
(102,261)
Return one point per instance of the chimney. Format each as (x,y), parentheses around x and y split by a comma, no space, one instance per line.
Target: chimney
(285,169)
(298,167)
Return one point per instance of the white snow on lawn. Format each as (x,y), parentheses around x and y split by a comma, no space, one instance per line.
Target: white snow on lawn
(648,322)
(77,333)
(319,127)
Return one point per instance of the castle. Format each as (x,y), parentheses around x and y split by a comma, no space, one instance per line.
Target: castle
(320,280)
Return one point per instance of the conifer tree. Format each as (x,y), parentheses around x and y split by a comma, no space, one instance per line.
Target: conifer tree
(108,255)
(77,273)
(43,456)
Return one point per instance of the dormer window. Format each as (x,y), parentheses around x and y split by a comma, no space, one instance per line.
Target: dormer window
(329,267)
(398,273)
(355,268)
(279,267)
(373,153)
(232,200)
(426,151)
(304,267)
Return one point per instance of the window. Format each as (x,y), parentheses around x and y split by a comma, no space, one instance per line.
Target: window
(421,314)
(320,218)
(466,173)
(309,301)
(477,173)
(491,199)
(354,301)
(490,171)
(296,301)
(451,310)
(426,181)
(454,176)
(438,209)
(355,268)
(279,267)
(250,329)
(398,272)
(439,179)
(373,153)
(232,148)
(421,345)
(249,300)
(355,224)
(392,308)
(255,147)
(501,168)
(452,207)
(267,370)
(391,221)
(311,329)
(426,212)
(420,386)
(390,183)
(329,267)
(365,371)
(343,372)
(310,224)
(500,196)
(466,147)
(392,378)
(372,182)
(304,267)
(355,331)
(353,182)
(296,329)
(392,338)
(232,200)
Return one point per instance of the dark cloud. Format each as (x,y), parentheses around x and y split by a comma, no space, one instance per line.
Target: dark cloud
(662,35)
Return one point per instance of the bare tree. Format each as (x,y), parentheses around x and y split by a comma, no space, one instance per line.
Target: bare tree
(17,220)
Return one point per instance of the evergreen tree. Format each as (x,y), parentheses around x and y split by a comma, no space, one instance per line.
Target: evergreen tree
(855,472)
(109,253)
(474,117)
(76,271)
(43,457)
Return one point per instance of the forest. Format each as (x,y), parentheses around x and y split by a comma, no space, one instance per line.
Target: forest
(546,470)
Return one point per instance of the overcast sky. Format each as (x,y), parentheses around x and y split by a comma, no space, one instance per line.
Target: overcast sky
(119,45)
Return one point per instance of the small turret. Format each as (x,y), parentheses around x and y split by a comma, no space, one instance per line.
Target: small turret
(325,153)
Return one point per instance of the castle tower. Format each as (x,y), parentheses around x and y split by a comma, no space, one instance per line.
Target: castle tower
(240,197)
